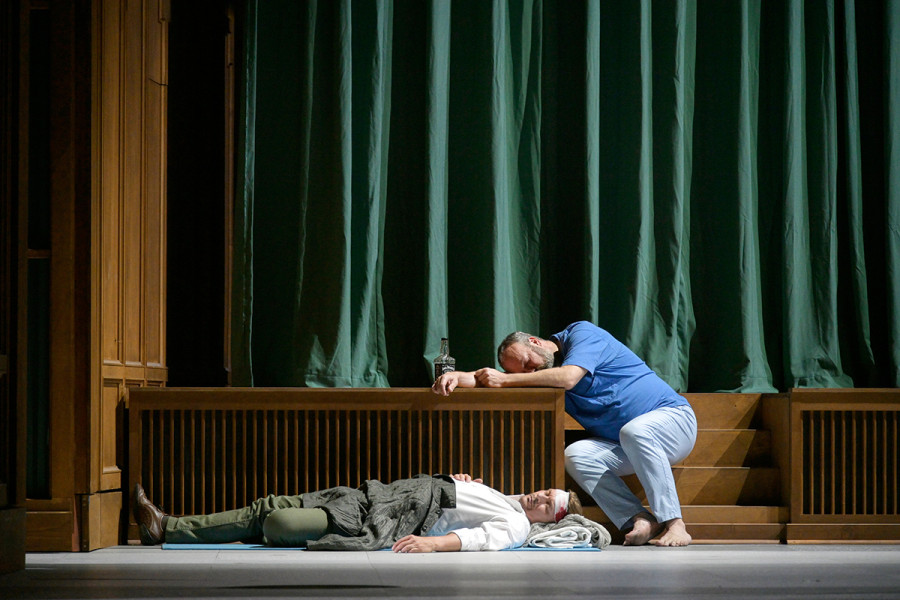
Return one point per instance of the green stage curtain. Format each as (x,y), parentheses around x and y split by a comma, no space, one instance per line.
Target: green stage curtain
(715,183)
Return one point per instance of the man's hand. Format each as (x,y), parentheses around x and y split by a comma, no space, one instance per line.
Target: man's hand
(446,383)
(416,543)
(466,477)
(489,378)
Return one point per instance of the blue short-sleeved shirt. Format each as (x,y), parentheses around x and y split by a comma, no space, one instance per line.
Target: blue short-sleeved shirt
(618,385)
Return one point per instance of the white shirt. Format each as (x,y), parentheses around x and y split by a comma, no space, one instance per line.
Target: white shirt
(484,519)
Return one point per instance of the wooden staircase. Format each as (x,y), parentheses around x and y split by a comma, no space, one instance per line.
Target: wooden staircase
(732,486)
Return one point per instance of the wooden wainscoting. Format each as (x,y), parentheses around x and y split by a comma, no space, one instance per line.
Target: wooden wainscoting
(204,450)
(845,465)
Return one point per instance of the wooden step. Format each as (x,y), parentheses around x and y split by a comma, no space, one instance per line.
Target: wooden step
(720,524)
(713,486)
(734,533)
(720,448)
(730,448)
(714,411)
(725,411)
(697,513)
(842,533)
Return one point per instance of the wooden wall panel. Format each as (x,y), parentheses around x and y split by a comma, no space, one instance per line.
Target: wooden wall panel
(154,225)
(108,120)
(132,122)
(108,447)
(845,459)
(132,199)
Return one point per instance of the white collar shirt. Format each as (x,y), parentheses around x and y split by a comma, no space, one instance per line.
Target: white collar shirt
(484,519)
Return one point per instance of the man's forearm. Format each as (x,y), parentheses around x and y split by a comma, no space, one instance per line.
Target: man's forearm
(562,377)
(466,379)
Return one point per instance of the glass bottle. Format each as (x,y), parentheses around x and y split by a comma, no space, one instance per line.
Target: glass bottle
(444,363)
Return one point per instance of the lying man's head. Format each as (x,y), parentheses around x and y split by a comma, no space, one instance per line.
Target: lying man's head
(549,506)
(521,352)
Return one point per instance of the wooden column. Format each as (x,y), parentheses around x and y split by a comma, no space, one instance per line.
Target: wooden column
(128,239)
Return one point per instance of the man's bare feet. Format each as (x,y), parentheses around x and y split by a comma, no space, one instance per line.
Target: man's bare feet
(646,527)
(675,535)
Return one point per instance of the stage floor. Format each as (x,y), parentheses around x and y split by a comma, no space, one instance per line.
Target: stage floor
(702,571)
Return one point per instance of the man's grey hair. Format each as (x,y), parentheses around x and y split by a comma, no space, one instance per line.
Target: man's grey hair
(516,337)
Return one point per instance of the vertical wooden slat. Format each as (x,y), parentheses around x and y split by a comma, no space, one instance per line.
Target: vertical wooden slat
(818,444)
(264,450)
(473,440)
(245,458)
(862,470)
(235,462)
(148,474)
(296,452)
(190,506)
(833,463)
(423,445)
(323,421)
(254,452)
(881,441)
(503,458)
(534,449)
(854,460)
(212,472)
(315,465)
(844,466)
(169,441)
(896,454)
(222,420)
(482,471)
(160,458)
(524,461)
(363,451)
(307,470)
(451,446)
(437,459)
(181,481)
(459,461)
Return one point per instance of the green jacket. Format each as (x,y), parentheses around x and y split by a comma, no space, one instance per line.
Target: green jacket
(376,515)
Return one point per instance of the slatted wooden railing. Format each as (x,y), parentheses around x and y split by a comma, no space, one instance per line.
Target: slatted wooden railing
(204,450)
(845,465)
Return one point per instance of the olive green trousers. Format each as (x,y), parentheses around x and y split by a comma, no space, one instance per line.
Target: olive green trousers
(273,520)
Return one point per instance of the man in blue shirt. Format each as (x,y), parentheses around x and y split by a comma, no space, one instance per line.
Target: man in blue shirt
(638,422)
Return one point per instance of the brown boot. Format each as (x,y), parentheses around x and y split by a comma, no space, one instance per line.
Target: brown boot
(150,519)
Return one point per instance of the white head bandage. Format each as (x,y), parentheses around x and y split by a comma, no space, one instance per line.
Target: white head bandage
(561,504)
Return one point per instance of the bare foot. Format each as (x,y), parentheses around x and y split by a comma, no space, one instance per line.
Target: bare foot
(646,527)
(675,535)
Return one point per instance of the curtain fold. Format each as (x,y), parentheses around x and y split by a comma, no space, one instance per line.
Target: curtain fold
(716,183)
(437,323)
(242,264)
(515,157)
(892,165)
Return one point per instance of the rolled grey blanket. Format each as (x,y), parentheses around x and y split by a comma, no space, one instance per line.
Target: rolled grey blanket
(572,531)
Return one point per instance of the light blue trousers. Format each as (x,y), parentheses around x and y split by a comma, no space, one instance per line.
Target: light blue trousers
(649,445)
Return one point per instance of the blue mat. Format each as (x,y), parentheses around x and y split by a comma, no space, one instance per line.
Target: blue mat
(239,546)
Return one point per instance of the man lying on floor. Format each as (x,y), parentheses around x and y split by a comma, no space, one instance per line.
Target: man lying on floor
(422,514)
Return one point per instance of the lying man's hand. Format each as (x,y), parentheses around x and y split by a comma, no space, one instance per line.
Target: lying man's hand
(416,543)
(489,378)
